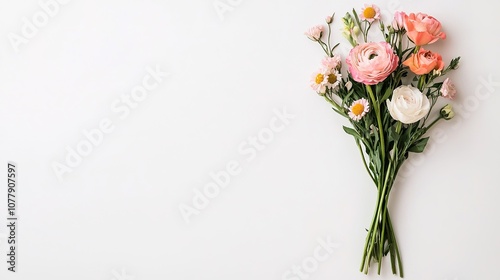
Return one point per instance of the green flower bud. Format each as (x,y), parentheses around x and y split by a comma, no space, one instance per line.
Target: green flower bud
(356,30)
(447,112)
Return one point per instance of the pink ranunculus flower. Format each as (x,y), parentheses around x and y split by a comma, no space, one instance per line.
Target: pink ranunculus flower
(448,89)
(371,63)
(398,23)
(423,29)
(331,62)
(314,33)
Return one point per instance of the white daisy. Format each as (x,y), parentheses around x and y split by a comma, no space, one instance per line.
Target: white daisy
(358,109)
(332,79)
(318,81)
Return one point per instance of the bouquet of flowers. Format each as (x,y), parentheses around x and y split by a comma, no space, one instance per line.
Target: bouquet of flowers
(388,95)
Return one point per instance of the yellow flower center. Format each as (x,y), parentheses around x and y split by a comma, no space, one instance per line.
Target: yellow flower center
(332,78)
(369,12)
(319,78)
(358,109)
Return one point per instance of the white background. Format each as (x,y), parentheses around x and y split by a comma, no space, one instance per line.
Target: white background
(116,215)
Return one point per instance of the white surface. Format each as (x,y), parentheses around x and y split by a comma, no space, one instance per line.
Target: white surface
(118,214)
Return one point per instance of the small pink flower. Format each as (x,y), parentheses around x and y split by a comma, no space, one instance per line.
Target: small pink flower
(423,29)
(398,23)
(331,62)
(370,13)
(314,33)
(329,19)
(448,89)
(358,109)
(371,63)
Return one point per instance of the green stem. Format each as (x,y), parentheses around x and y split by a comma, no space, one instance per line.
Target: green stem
(389,181)
(433,123)
(391,249)
(385,202)
(329,48)
(421,83)
(379,121)
(324,47)
(395,243)
(364,162)
(381,201)
(337,106)
(371,232)
(433,102)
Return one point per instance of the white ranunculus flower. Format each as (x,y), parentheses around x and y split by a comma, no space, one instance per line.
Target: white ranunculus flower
(408,104)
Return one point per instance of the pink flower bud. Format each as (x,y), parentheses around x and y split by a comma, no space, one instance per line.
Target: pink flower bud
(399,21)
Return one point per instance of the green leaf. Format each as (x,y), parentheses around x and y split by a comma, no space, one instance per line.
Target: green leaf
(387,94)
(334,47)
(419,145)
(376,135)
(377,163)
(337,111)
(352,132)
(454,63)
(393,135)
(408,132)
(344,100)
(378,88)
(356,18)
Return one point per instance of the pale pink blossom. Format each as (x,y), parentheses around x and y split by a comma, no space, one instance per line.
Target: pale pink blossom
(331,62)
(371,63)
(448,89)
(329,19)
(314,33)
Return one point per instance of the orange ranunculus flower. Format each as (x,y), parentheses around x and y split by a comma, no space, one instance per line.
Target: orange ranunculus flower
(423,29)
(424,62)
